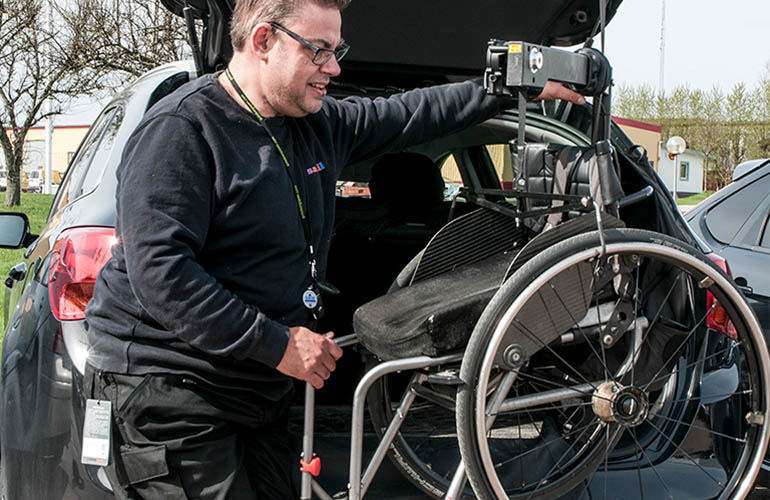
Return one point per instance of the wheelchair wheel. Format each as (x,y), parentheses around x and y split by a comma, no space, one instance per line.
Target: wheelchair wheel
(425,449)
(630,373)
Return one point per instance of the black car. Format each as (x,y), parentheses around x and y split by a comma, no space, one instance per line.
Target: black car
(735,223)
(377,236)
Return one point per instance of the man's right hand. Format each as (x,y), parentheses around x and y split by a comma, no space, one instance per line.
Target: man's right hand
(309,356)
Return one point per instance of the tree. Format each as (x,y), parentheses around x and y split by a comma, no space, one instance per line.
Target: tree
(132,37)
(89,46)
(761,99)
(40,60)
(729,128)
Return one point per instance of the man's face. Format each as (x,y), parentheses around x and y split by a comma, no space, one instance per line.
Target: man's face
(293,84)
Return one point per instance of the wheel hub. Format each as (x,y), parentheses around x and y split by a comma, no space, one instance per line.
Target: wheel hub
(613,402)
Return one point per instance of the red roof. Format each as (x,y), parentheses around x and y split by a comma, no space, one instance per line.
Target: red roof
(633,123)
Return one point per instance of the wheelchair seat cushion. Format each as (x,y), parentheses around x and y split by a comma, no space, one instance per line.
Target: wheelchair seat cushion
(437,314)
(433,316)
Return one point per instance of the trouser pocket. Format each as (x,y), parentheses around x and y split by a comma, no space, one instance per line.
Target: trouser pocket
(138,465)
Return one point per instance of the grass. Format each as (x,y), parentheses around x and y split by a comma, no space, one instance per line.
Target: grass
(694,199)
(36,206)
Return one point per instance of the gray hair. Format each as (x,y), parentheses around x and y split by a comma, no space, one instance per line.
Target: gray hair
(249,13)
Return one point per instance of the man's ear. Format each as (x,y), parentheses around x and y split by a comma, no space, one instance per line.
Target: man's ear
(261,39)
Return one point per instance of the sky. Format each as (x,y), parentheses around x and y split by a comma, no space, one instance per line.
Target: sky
(707,43)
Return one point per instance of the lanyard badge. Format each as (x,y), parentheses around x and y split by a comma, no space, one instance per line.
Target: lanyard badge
(312,298)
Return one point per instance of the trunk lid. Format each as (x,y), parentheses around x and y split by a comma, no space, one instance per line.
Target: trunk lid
(434,39)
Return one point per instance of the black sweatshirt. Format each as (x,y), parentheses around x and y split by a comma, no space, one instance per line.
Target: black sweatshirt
(211,259)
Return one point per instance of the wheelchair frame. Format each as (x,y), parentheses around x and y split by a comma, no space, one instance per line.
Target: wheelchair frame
(605,407)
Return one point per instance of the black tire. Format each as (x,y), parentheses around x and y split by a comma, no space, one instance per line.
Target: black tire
(629,421)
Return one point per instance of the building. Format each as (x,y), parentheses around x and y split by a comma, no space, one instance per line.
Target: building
(691,167)
(692,164)
(64,143)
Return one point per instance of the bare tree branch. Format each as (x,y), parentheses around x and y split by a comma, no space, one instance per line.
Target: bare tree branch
(91,44)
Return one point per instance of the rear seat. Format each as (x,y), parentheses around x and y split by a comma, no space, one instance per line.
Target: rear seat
(375,238)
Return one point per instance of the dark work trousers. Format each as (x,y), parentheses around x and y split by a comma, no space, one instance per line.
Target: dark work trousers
(179,437)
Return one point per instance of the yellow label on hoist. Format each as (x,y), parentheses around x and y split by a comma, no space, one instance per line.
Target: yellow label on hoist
(514,48)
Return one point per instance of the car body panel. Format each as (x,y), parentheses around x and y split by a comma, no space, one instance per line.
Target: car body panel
(734,223)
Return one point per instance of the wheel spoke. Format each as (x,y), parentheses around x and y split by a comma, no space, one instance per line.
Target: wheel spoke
(542,483)
(676,353)
(683,452)
(606,458)
(713,355)
(637,299)
(575,321)
(655,318)
(573,445)
(716,396)
(712,431)
(534,337)
(652,466)
(581,430)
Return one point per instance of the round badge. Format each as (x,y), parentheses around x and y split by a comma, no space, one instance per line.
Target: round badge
(310,299)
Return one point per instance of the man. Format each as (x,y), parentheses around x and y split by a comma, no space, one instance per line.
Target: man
(205,311)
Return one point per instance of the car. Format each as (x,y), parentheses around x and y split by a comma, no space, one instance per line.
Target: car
(735,223)
(42,394)
(33,181)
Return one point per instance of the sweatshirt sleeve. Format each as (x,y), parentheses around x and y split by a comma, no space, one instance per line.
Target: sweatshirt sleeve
(165,202)
(369,127)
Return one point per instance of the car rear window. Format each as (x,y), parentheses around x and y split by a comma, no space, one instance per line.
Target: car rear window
(85,171)
(354,180)
(727,218)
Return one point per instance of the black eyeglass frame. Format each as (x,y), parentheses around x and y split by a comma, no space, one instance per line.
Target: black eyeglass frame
(320,56)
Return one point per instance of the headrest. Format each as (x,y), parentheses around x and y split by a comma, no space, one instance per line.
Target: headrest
(409,185)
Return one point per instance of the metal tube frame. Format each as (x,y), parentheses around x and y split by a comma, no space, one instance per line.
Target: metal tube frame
(358,483)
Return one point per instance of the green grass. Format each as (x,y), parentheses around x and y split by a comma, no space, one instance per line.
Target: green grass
(694,199)
(36,206)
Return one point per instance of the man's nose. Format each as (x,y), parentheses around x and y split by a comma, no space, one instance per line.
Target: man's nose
(331,67)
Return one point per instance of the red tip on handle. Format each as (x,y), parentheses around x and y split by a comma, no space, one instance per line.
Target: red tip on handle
(313,467)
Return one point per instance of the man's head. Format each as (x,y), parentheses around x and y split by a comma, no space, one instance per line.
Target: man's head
(279,40)
(249,13)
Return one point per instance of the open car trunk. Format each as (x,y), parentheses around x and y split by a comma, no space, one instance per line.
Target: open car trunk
(428,37)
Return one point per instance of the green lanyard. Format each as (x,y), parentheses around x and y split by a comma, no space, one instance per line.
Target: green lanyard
(300,206)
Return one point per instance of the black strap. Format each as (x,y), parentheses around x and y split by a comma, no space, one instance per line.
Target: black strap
(300,206)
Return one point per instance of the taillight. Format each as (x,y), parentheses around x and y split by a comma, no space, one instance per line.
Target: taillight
(717,318)
(76,259)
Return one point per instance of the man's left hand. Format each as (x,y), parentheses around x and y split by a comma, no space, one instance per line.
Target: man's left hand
(556,90)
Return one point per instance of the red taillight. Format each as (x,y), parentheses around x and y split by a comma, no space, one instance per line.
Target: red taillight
(717,318)
(76,259)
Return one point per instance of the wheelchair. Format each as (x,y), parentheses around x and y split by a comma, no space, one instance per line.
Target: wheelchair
(544,346)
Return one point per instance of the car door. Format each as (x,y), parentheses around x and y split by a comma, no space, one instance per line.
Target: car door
(740,222)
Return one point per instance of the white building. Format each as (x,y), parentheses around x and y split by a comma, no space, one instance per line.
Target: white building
(690,167)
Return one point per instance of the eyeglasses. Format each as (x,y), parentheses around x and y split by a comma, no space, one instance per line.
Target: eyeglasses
(320,56)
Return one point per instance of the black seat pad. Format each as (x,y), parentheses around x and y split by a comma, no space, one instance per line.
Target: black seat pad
(433,316)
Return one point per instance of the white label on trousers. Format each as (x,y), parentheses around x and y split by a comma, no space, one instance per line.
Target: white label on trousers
(96,433)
